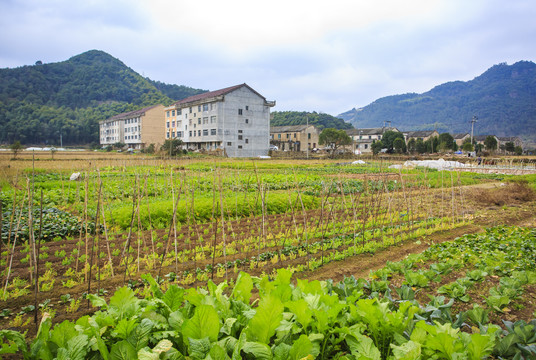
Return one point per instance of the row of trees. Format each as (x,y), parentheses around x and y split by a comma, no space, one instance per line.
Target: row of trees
(394,142)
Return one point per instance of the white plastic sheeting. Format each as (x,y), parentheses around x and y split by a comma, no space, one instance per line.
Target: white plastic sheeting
(440,164)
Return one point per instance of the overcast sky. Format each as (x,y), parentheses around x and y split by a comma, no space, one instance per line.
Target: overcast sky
(324,56)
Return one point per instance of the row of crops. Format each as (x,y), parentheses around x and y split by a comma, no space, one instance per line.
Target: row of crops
(207,230)
(274,317)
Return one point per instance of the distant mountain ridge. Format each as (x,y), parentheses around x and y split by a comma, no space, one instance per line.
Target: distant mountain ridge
(320,120)
(42,101)
(503,98)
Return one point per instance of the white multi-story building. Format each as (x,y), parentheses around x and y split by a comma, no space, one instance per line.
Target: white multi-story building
(137,129)
(235,119)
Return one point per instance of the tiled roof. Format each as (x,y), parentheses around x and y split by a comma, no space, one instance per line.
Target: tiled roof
(131,114)
(369,131)
(215,93)
(423,133)
(460,136)
(481,137)
(288,128)
(508,138)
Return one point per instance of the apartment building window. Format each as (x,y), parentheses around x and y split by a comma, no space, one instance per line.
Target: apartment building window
(240,137)
(370,137)
(212,106)
(288,136)
(239,111)
(167,124)
(240,146)
(179,134)
(205,107)
(167,135)
(205,120)
(179,112)
(199,121)
(247,121)
(240,131)
(205,132)
(190,109)
(247,107)
(309,136)
(212,131)
(213,119)
(279,136)
(229,143)
(190,132)
(173,123)
(172,112)
(173,134)
(199,108)
(179,123)
(198,132)
(167,114)
(190,122)
(247,141)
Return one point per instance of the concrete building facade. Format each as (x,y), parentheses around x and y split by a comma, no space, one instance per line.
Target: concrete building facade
(294,137)
(363,138)
(235,119)
(137,129)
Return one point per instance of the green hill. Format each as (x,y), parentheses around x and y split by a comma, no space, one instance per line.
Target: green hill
(42,101)
(503,98)
(320,120)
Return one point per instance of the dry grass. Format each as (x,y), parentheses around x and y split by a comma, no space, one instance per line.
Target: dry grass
(504,194)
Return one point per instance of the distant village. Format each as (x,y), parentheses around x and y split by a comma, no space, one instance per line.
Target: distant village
(236,122)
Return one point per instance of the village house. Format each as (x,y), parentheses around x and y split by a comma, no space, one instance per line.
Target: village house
(423,135)
(294,137)
(513,139)
(461,138)
(235,119)
(362,139)
(137,129)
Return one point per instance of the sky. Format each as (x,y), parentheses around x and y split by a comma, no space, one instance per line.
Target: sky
(328,56)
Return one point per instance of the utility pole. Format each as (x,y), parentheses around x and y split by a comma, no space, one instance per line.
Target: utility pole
(473,121)
(307,132)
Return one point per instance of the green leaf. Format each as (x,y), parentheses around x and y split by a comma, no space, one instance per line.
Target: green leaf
(122,350)
(97,301)
(78,347)
(155,288)
(218,353)
(243,287)
(124,303)
(480,346)
(125,327)
(199,348)
(204,323)
(407,351)
(174,297)
(258,350)
(139,337)
(362,347)
(282,352)
(267,318)
(301,310)
(301,348)
(62,333)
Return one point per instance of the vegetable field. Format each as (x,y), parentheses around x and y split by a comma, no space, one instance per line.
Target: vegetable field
(203,259)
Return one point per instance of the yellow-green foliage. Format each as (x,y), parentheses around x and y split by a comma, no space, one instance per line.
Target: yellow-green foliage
(242,205)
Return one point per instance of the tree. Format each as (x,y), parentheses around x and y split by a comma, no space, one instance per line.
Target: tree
(518,150)
(172,147)
(376,147)
(510,147)
(467,146)
(490,143)
(16,147)
(334,138)
(432,144)
(399,145)
(389,137)
(412,145)
(420,147)
(446,141)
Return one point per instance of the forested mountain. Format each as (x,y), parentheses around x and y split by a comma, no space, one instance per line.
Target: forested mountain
(320,120)
(39,103)
(503,99)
